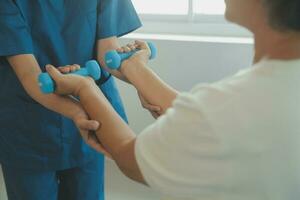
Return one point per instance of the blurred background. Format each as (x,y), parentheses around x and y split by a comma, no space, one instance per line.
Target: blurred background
(195,45)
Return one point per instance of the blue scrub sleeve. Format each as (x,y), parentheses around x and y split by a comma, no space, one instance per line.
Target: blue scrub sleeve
(116,18)
(14,33)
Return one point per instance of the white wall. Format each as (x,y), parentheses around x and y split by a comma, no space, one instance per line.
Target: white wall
(181,64)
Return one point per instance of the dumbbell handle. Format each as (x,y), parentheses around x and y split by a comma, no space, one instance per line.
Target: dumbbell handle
(91,69)
(81,72)
(113,59)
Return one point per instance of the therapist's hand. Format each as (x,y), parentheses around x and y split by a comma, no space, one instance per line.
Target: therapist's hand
(87,129)
(71,85)
(103,46)
(155,111)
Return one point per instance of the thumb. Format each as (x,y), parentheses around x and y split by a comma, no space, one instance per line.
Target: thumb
(53,72)
(89,125)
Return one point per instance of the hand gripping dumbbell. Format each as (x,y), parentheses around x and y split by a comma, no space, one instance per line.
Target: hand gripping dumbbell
(91,69)
(113,59)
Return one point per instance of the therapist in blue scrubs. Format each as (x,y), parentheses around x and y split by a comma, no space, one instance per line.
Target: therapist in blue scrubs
(41,151)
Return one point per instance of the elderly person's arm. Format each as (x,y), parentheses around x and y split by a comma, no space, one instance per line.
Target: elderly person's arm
(116,136)
(154,90)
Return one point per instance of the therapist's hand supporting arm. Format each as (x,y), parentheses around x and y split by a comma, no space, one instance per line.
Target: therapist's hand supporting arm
(115,135)
(27,70)
(148,84)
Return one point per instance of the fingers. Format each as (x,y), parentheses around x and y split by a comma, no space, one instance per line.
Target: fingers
(75,67)
(68,68)
(53,72)
(64,69)
(124,49)
(155,115)
(131,47)
(152,108)
(142,45)
(146,105)
(95,144)
(127,48)
(88,125)
(91,139)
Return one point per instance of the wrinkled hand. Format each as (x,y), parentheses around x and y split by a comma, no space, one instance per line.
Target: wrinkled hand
(155,111)
(87,129)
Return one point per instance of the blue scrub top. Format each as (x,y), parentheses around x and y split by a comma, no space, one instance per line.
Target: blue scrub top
(58,32)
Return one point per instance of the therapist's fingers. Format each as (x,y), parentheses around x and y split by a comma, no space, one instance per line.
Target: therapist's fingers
(155,115)
(146,105)
(155,111)
(89,125)
(91,140)
(87,130)
(96,144)
(152,108)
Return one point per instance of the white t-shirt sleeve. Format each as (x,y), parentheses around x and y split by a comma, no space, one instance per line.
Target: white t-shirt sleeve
(180,154)
(235,139)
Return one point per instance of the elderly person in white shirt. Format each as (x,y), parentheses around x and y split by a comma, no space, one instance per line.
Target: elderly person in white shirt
(235,139)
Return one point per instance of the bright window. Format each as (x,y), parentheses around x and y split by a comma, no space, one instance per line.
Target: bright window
(162,7)
(209,7)
(186,17)
(179,7)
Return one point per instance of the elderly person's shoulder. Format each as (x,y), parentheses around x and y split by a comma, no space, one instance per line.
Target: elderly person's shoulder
(267,85)
(259,77)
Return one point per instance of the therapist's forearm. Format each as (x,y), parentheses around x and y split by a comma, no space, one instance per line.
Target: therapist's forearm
(114,134)
(103,46)
(149,85)
(27,70)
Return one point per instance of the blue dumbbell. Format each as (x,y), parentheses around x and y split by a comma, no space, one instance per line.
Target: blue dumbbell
(113,59)
(91,69)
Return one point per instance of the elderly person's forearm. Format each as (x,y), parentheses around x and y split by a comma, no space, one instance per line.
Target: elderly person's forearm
(150,86)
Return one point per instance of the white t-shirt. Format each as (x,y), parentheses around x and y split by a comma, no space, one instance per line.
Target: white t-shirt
(237,139)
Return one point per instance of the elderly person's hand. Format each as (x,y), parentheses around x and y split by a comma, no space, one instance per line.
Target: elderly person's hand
(140,58)
(68,84)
